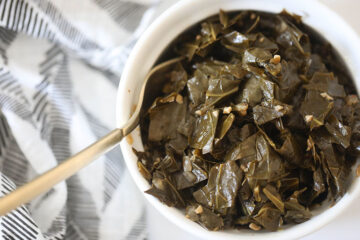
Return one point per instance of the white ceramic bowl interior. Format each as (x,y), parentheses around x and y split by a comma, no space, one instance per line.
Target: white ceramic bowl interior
(166,28)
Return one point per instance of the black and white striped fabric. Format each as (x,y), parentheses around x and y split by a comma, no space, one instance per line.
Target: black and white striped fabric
(60,63)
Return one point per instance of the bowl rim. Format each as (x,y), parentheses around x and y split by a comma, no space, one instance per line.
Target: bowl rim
(125,97)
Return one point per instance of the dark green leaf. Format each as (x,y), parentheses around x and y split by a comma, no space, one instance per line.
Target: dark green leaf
(224,125)
(205,217)
(244,151)
(178,79)
(222,187)
(197,87)
(256,56)
(272,194)
(318,111)
(341,134)
(292,151)
(165,191)
(251,92)
(224,18)
(164,120)
(168,163)
(268,166)
(265,114)
(265,43)
(194,171)
(325,82)
(269,218)
(204,132)
(288,81)
(289,35)
(144,172)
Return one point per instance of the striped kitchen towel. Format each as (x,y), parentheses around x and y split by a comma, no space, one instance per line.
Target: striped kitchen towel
(60,63)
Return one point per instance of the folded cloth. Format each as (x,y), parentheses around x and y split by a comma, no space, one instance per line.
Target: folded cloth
(60,64)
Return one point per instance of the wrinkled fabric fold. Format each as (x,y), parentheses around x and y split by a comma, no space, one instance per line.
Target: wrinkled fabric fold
(60,64)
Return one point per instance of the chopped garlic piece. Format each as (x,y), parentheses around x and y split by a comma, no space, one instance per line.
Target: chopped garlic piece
(227,110)
(278,108)
(351,99)
(327,96)
(309,118)
(276,59)
(254,227)
(199,210)
(179,99)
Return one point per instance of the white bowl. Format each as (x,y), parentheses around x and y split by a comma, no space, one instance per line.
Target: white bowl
(174,21)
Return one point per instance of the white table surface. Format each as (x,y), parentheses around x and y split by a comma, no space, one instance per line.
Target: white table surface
(345,227)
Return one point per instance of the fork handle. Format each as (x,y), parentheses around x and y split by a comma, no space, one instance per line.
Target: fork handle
(66,169)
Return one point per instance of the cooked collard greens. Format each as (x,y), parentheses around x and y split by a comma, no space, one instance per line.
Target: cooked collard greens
(258,123)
